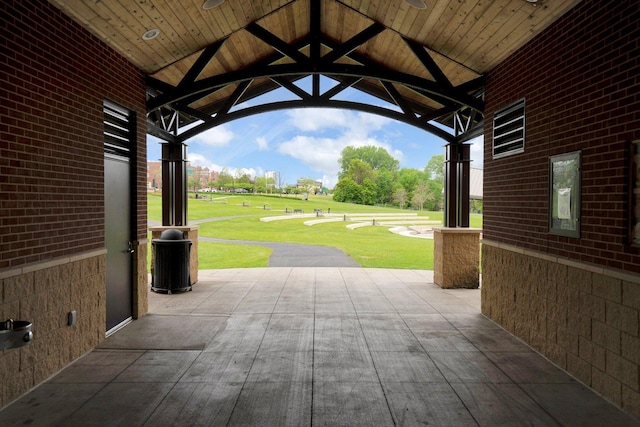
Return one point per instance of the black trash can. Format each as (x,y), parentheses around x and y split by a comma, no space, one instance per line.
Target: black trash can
(171,268)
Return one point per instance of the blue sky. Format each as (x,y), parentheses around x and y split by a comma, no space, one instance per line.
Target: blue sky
(306,143)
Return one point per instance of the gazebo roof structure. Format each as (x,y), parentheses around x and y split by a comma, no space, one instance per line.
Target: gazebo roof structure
(425,59)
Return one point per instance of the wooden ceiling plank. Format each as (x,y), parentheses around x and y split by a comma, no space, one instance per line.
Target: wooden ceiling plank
(129,33)
(92,17)
(409,19)
(454,18)
(474,38)
(199,23)
(301,20)
(534,20)
(504,25)
(175,17)
(437,17)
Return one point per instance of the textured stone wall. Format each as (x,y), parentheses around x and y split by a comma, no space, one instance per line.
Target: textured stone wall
(582,317)
(456,257)
(44,294)
(141,283)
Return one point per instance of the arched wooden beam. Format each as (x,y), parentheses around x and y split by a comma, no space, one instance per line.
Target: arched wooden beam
(336,104)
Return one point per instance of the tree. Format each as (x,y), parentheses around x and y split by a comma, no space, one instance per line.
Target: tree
(435,168)
(409,178)
(384,182)
(368,192)
(435,204)
(400,197)
(347,191)
(377,157)
(359,171)
(421,194)
(225,180)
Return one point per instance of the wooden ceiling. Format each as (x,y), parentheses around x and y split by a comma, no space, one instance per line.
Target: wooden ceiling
(262,45)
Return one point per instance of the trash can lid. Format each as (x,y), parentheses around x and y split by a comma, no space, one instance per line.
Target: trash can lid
(172,234)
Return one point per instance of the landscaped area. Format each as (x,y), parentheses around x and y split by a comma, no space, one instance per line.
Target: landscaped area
(237,217)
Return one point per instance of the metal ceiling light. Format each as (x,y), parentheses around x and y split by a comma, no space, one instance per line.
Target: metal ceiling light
(210,4)
(418,4)
(151,34)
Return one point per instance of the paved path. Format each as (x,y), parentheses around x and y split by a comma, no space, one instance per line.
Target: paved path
(297,255)
(287,254)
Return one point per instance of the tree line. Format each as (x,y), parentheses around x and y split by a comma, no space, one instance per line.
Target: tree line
(369,175)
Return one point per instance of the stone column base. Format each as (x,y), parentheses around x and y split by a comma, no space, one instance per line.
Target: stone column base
(191,233)
(456,257)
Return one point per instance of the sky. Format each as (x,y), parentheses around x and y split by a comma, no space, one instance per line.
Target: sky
(307,143)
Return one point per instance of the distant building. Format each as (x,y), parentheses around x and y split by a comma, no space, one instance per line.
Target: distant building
(475,183)
(154,176)
(309,184)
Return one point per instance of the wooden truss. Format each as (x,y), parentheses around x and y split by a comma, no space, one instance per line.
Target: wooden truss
(460,108)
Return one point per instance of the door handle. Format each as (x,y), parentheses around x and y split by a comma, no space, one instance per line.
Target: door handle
(130,249)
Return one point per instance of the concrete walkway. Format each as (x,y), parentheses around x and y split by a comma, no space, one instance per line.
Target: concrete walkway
(313,347)
(296,255)
(286,254)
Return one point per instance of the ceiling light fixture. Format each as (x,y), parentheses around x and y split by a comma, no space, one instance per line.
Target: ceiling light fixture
(210,4)
(151,34)
(418,4)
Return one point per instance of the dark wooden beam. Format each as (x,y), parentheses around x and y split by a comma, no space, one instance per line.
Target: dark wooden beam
(423,56)
(315,11)
(285,83)
(203,60)
(317,103)
(276,43)
(338,51)
(341,86)
(398,99)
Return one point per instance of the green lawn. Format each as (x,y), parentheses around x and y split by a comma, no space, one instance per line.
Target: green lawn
(239,219)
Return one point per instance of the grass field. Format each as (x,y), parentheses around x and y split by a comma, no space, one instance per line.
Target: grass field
(237,217)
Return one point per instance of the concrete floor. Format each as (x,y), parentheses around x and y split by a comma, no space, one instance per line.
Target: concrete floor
(313,346)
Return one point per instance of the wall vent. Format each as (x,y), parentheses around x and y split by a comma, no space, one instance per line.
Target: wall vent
(118,129)
(509,130)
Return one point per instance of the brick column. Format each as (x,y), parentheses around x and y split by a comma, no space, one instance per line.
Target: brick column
(191,233)
(456,257)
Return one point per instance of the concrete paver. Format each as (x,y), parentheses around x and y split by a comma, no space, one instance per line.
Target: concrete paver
(301,346)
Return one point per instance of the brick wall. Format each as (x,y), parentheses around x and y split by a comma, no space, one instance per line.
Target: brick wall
(581,85)
(55,77)
(576,300)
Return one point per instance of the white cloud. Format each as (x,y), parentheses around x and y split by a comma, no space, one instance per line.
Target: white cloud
(263,145)
(316,119)
(196,159)
(323,153)
(219,136)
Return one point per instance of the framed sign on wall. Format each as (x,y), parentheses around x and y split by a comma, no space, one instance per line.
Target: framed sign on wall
(564,194)
(634,193)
